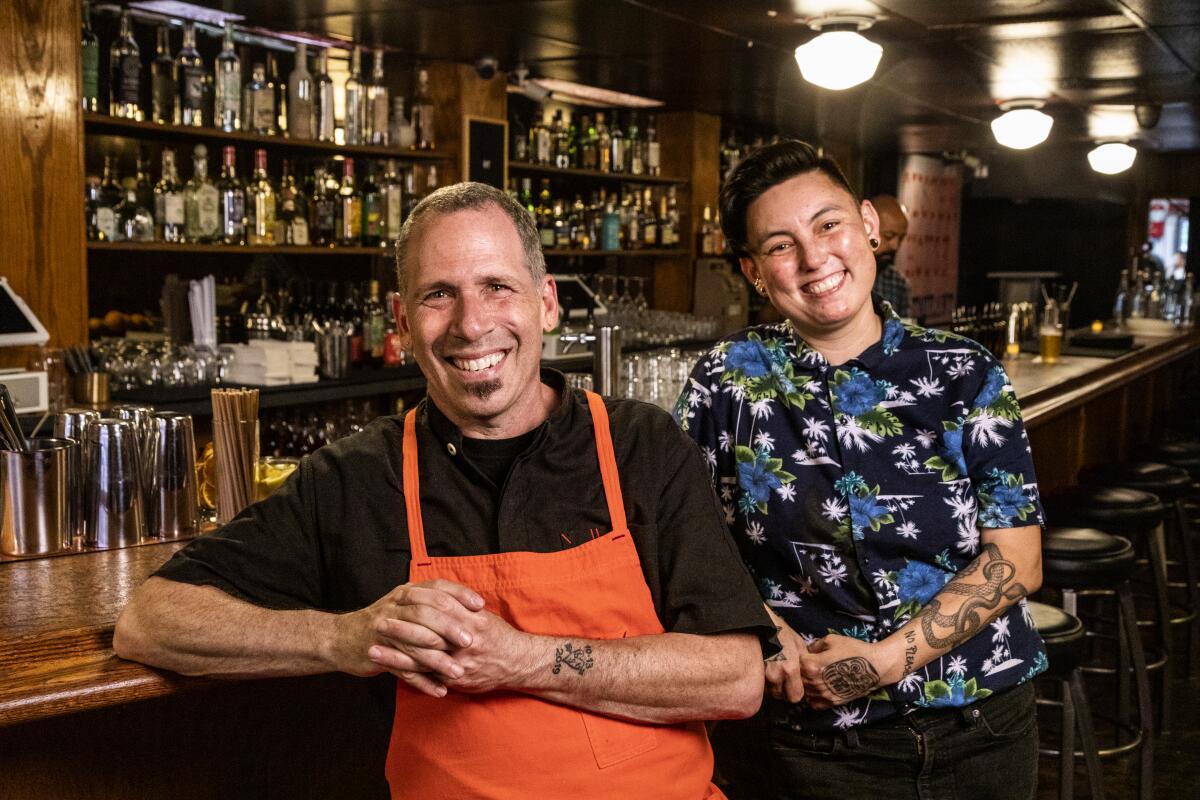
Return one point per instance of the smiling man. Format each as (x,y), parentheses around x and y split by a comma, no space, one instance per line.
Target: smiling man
(546,572)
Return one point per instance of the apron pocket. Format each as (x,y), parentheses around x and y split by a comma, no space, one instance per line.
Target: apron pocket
(615,740)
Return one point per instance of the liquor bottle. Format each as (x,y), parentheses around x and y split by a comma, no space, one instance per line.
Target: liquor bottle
(164,107)
(610,231)
(352,313)
(603,144)
(101,221)
(545,215)
(291,226)
(377,105)
(300,97)
(260,203)
(705,244)
(666,230)
(519,151)
(1121,301)
(653,150)
(228,99)
(617,146)
(355,102)
(168,201)
(525,195)
(577,222)
(587,144)
(649,221)
(572,142)
(192,86)
(372,210)
(431,180)
(401,132)
(632,218)
(422,113)
(411,195)
(110,188)
(134,222)
(541,141)
(391,191)
(142,183)
(349,208)
(125,73)
(233,200)
(278,90)
(90,43)
(374,325)
(322,209)
(635,148)
(258,103)
(323,110)
(562,142)
(201,202)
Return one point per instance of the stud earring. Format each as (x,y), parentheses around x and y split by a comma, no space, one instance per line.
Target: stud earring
(874,243)
(760,287)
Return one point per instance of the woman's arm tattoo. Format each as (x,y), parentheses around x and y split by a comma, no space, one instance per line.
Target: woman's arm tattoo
(982,600)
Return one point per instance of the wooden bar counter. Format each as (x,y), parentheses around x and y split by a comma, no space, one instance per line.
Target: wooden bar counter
(77,722)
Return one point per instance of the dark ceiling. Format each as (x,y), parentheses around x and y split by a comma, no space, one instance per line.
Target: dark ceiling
(946,63)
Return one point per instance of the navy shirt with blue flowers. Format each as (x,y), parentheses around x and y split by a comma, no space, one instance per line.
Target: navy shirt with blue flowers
(855,492)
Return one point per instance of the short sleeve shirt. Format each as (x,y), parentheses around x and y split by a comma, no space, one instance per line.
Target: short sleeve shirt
(856,491)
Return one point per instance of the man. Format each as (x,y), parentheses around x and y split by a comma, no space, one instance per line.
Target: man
(879,484)
(893,227)
(558,602)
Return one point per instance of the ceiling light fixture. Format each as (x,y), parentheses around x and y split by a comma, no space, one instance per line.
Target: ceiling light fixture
(839,56)
(1112,157)
(1022,125)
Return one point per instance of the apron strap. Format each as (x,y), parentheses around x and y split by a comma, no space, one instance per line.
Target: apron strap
(608,463)
(412,491)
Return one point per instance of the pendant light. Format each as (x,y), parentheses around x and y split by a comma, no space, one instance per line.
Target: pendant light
(1022,125)
(839,56)
(1112,157)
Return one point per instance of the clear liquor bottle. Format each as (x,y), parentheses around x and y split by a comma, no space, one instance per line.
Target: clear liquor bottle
(278,90)
(355,100)
(422,113)
(603,144)
(653,148)
(377,105)
(617,144)
(101,221)
(168,201)
(324,118)
(411,195)
(192,86)
(258,103)
(587,144)
(90,44)
(349,207)
(134,222)
(322,208)
(403,135)
(233,200)
(201,202)
(374,325)
(545,215)
(541,140)
(164,107)
(635,148)
(372,210)
(649,221)
(300,97)
(227,102)
(562,141)
(391,189)
(291,224)
(125,73)
(260,203)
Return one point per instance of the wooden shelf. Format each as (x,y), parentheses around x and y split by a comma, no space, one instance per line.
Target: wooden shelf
(114,126)
(616,177)
(559,252)
(283,249)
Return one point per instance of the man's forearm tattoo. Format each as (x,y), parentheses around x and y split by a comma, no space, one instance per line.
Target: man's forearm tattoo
(946,631)
(851,677)
(573,657)
(910,651)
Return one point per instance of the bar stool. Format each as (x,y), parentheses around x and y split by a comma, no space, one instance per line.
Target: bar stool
(1064,638)
(1184,453)
(1085,561)
(1172,485)
(1137,515)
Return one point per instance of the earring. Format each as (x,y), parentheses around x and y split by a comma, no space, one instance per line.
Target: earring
(874,243)
(760,287)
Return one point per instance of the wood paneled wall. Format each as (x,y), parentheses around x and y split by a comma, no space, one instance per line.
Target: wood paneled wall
(42,235)
(691,149)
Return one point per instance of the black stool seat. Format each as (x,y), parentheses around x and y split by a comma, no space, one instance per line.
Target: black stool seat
(1115,509)
(1064,637)
(1185,454)
(1085,558)
(1166,481)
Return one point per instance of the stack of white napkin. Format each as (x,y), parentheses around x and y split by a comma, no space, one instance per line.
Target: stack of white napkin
(265,362)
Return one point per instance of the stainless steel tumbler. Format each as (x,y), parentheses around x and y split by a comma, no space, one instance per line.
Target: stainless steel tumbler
(173,510)
(35,517)
(114,514)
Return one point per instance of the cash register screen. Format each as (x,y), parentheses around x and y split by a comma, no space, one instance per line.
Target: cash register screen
(18,325)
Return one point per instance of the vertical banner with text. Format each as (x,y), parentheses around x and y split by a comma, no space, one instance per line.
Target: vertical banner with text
(931,190)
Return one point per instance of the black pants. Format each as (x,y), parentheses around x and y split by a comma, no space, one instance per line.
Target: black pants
(985,751)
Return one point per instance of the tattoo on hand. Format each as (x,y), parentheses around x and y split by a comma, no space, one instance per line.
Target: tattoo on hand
(576,658)
(851,677)
(910,651)
(950,630)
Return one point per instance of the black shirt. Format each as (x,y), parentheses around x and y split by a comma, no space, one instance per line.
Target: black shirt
(335,535)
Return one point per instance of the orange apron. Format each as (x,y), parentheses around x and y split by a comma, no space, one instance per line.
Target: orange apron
(509,745)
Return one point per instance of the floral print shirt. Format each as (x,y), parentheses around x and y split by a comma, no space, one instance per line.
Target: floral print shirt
(855,492)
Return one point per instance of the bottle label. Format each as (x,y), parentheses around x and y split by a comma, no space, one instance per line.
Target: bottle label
(300,116)
(91,72)
(170,208)
(208,213)
(192,96)
(228,92)
(262,111)
(372,216)
(650,234)
(653,153)
(106,222)
(299,231)
(548,237)
(325,216)
(233,217)
(129,81)
(351,218)
(393,203)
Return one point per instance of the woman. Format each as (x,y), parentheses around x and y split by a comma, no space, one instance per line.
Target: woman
(878,480)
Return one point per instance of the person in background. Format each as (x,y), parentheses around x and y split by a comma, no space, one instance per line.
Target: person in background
(879,484)
(545,573)
(893,227)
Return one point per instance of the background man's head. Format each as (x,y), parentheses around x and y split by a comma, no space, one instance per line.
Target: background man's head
(893,227)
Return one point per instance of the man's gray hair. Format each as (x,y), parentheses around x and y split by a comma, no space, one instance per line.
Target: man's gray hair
(464,197)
